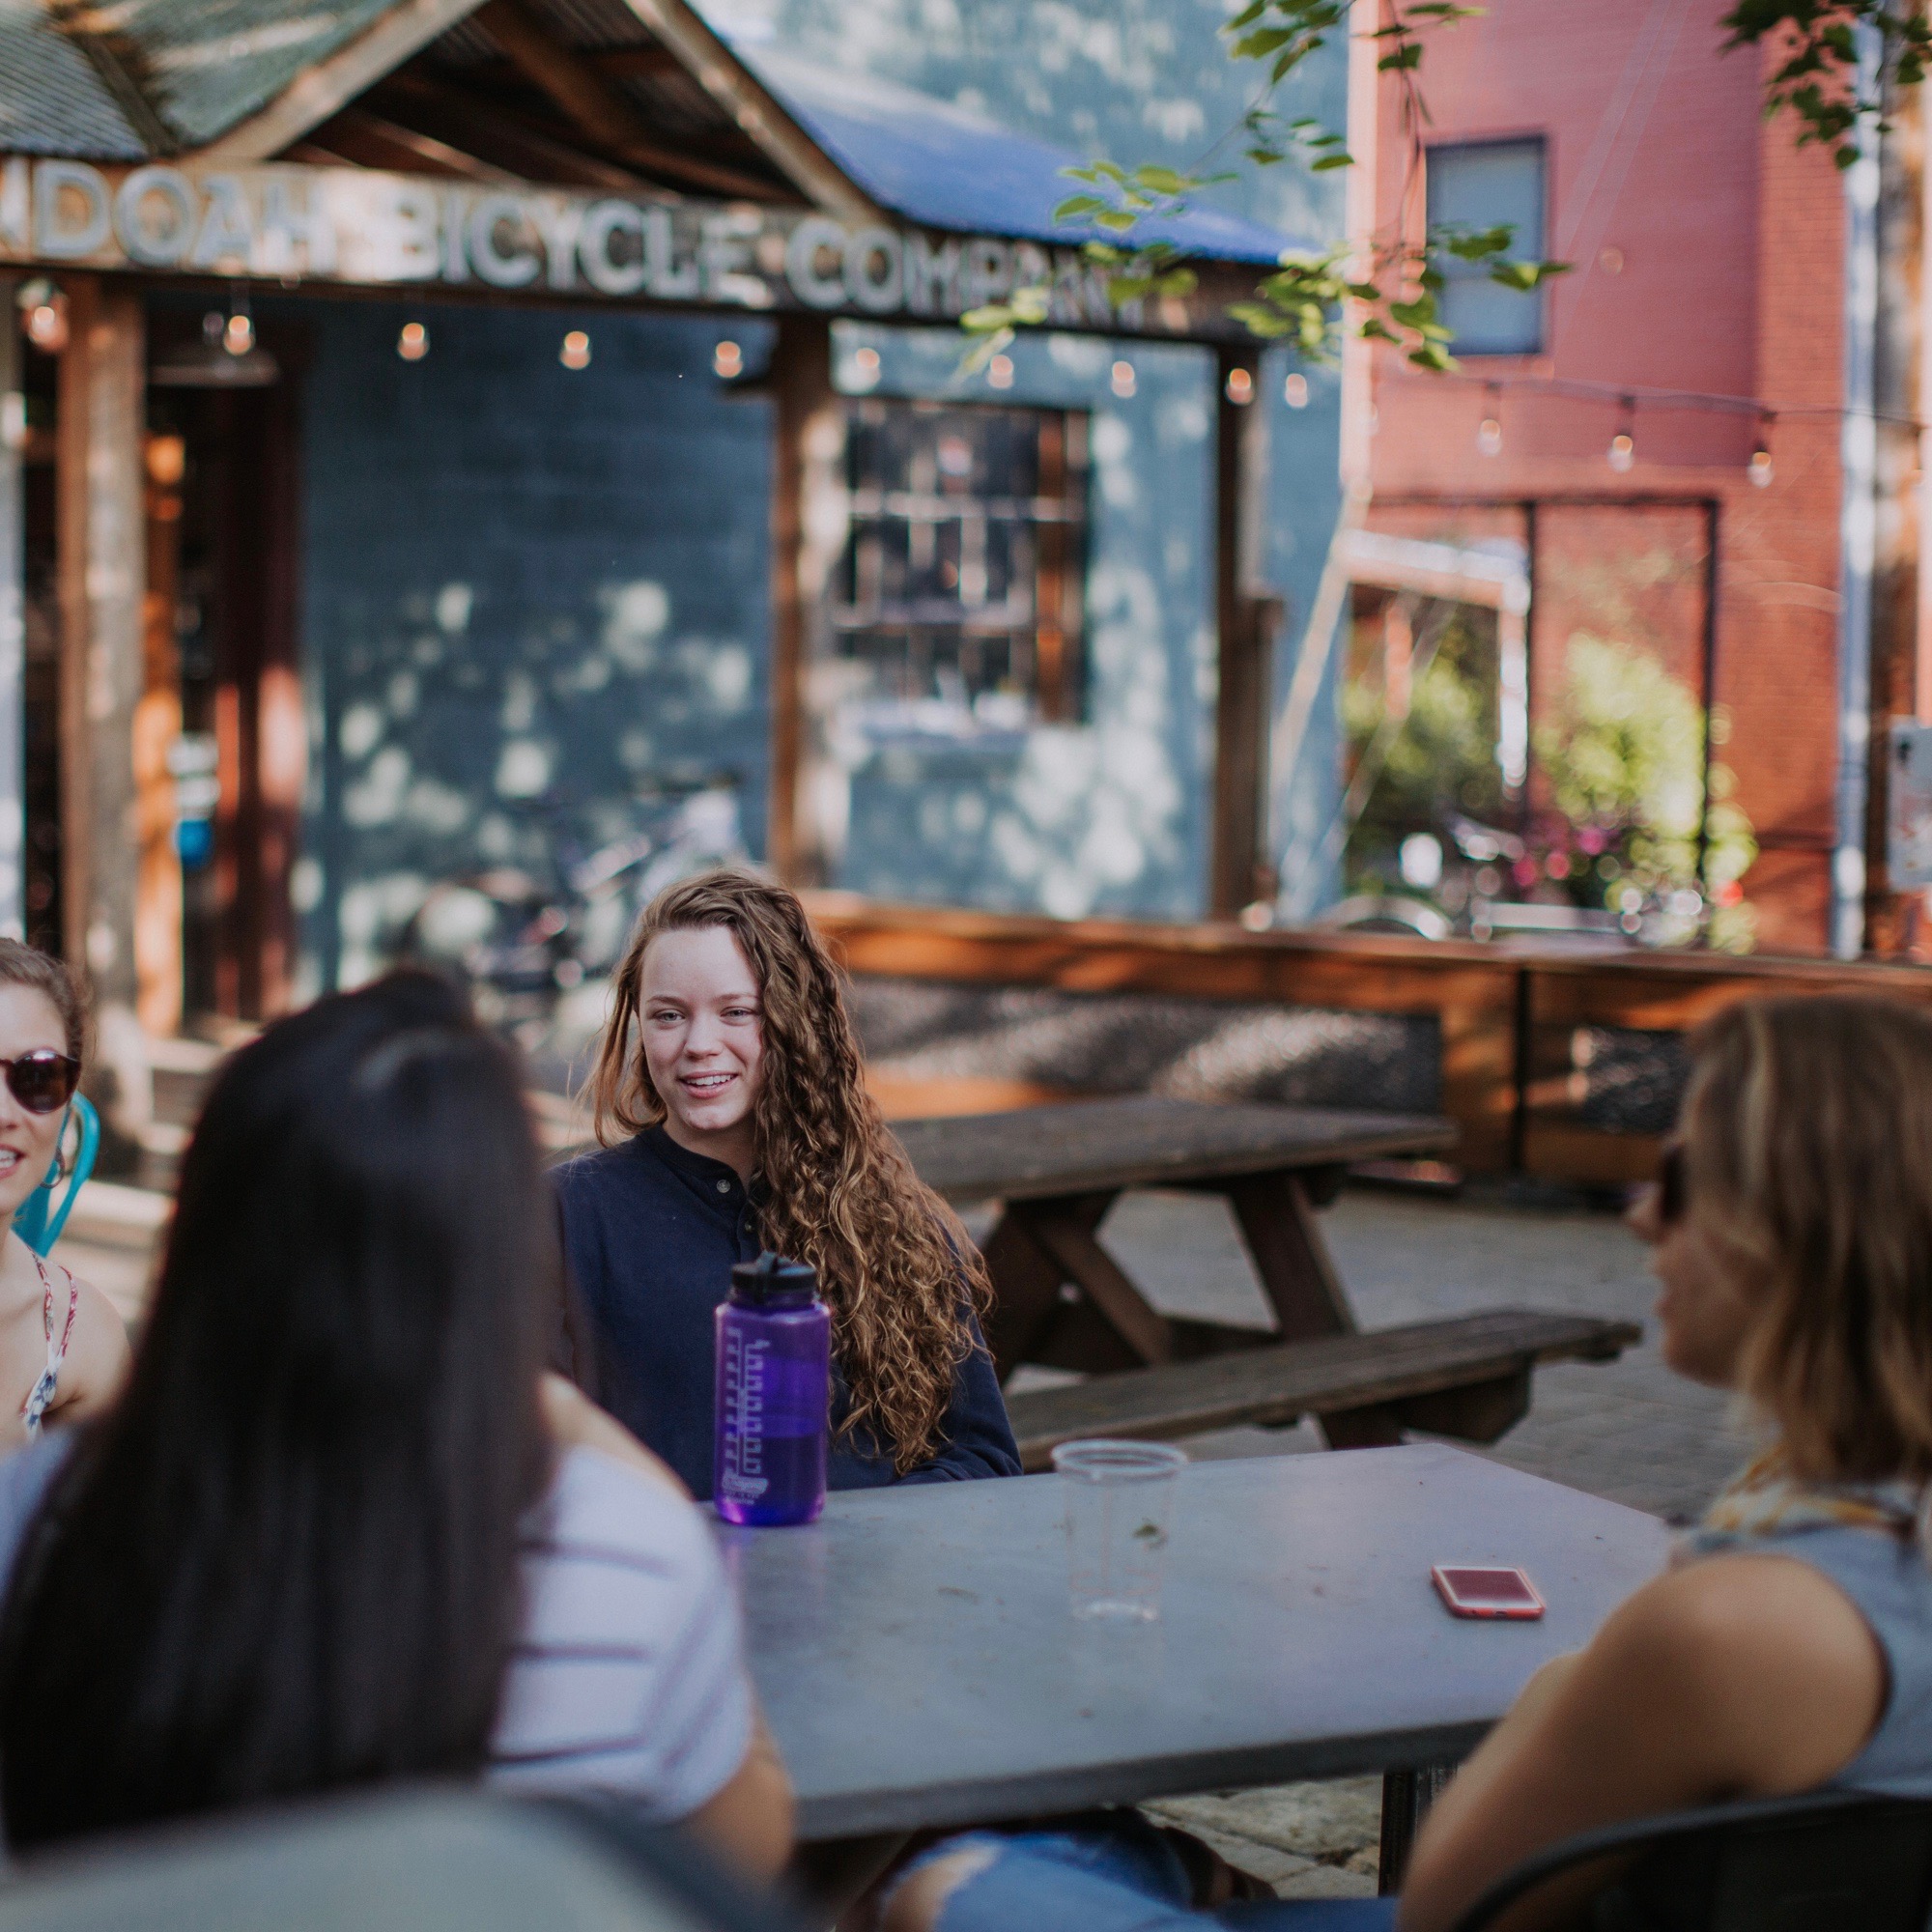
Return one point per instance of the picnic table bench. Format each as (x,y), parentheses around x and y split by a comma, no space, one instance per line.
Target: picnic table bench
(1062,1301)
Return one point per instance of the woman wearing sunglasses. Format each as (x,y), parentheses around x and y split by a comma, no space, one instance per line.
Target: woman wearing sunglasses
(1789,1645)
(63,1350)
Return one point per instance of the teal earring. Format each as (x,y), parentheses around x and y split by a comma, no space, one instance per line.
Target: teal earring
(39,1219)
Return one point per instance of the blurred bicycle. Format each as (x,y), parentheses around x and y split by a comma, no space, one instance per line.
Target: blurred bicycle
(524,944)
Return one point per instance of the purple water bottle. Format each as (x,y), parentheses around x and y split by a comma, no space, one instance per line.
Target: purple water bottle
(774,1394)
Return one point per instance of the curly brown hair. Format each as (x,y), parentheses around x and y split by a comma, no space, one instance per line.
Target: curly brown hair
(900,1273)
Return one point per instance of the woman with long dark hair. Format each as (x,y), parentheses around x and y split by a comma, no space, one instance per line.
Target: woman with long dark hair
(731,1098)
(341,1530)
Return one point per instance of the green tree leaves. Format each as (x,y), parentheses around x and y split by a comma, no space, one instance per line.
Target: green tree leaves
(1818,78)
(1395,283)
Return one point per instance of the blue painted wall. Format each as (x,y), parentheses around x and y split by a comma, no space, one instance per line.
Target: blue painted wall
(1109,815)
(1113,817)
(527,591)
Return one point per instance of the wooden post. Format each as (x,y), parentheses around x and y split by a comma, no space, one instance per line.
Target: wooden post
(12,619)
(806,537)
(99,542)
(258,723)
(1891,918)
(157,724)
(1244,623)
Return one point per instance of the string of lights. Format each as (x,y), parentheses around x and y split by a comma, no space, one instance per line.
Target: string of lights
(1627,400)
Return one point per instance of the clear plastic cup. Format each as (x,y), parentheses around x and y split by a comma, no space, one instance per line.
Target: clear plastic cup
(1120,1501)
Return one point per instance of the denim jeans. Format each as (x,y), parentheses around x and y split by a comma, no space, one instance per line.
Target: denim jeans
(1124,1877)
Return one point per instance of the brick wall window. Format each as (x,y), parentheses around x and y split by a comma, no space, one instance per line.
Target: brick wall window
(1483,185)
(959,597)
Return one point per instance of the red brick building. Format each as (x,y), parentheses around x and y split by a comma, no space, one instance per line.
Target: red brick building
(1704,320)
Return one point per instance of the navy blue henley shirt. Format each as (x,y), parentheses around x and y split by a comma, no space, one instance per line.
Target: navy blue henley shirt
(651,1232)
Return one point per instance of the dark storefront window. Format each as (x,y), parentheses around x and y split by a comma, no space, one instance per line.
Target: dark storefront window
(962,583)
(1483,185)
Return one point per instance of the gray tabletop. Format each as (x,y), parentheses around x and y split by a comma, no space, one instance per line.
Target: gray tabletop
(918,1665)
(1144,1141)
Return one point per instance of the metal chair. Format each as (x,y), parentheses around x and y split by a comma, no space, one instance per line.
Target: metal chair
(41,1217)
(1826,1862)
(422,1861)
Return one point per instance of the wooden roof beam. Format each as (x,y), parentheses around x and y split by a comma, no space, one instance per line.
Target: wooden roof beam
(644,62)
(331,85)
(598,107)
(369,141)
(503,139)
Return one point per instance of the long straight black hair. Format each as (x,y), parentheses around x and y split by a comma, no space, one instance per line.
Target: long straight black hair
(287,1562)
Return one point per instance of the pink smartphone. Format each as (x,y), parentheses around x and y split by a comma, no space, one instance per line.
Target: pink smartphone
(1470,1592)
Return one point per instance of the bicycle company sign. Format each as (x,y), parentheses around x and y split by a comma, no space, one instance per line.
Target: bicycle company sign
(361,228)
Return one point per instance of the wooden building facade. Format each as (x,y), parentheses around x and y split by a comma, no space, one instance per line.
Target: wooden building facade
(436,426)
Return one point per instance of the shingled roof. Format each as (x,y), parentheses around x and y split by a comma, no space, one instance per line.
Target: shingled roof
(144,78)
(623,95)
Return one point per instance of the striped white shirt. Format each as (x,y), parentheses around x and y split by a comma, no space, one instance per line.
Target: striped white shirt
(629,1676)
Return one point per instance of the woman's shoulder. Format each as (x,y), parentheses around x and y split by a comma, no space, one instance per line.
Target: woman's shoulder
(597,1164)
(600,1512)
(1721,1628)
(99,1355)
(623,1170)
(628,1674)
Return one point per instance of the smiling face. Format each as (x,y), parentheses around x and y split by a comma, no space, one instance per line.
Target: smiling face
(700,1017)
(1706,1305)
(28,1021)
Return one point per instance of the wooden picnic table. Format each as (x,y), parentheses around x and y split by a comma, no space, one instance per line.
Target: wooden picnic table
(920,1664)
(1062,1300)
(1056,1171)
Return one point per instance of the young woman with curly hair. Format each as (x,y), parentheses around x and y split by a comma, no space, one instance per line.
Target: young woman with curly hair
(730,1105)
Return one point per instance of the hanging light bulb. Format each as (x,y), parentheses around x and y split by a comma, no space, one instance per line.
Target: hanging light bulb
(1489,430)
(575,351)
(44,308)
(1760,470)
(412,344)
(728,360)
(1240,386)
(1623,445)
(226,357)
(1294,391)
(1123,379)
(237,333)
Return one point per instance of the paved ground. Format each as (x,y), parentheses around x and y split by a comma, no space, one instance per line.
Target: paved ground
(1629,1430)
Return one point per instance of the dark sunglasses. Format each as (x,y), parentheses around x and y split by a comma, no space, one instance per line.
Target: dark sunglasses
(1672,1188)
(42,1081)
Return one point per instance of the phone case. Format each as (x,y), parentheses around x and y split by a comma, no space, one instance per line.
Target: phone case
(1460,1606)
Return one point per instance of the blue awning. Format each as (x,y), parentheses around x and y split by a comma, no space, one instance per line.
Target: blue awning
(942,167)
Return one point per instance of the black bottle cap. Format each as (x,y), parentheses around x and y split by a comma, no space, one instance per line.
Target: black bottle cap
(772,1279)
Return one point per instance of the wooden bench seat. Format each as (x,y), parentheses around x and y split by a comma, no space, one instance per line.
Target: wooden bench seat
(1467,1377)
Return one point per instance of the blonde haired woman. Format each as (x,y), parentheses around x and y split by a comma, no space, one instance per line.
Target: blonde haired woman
(1791,1645)
(731,1110)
